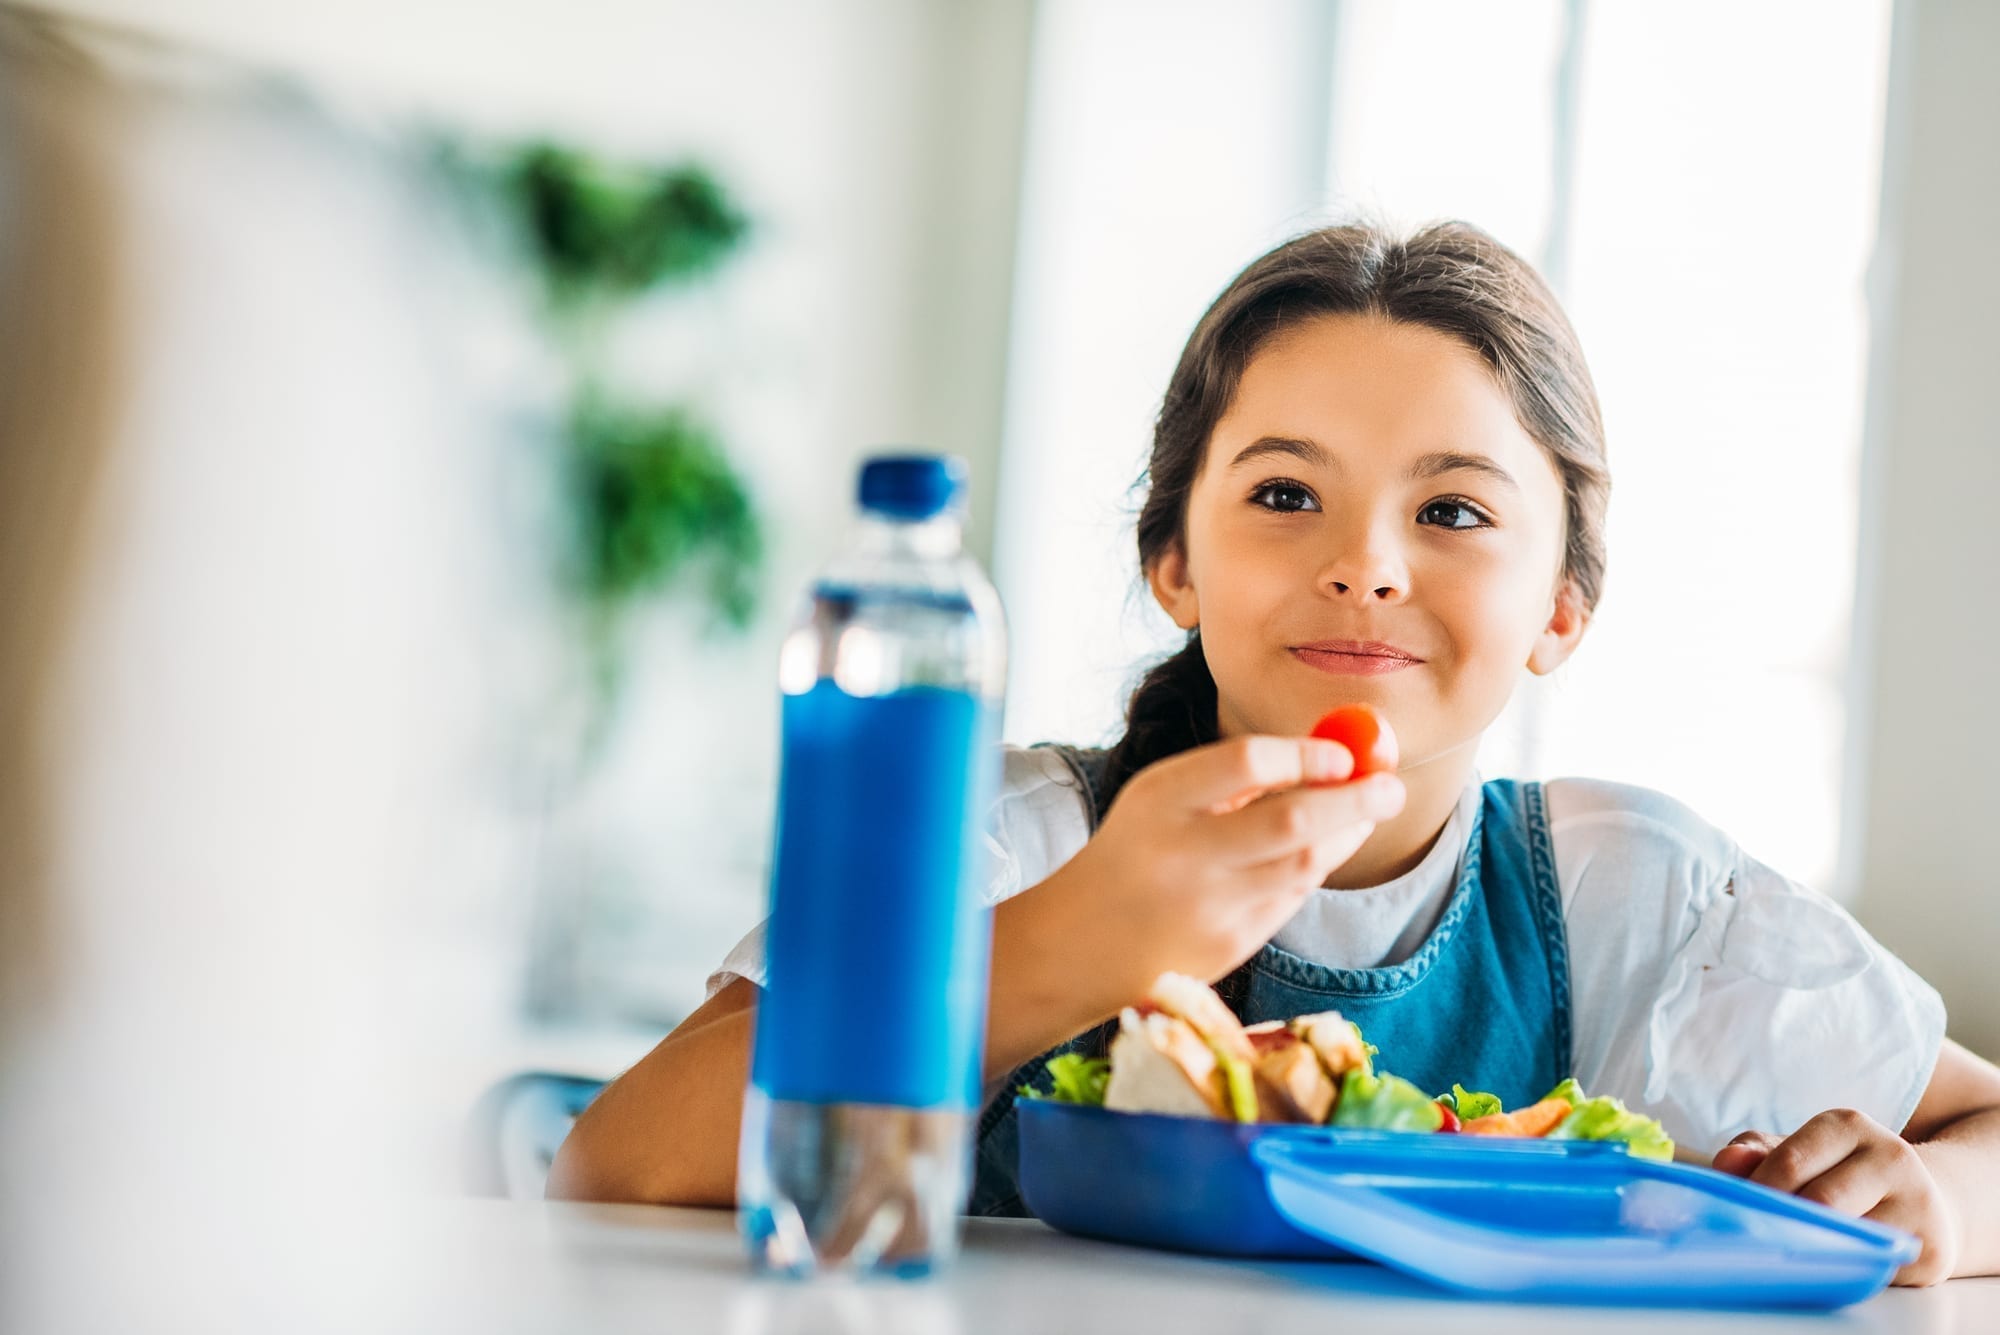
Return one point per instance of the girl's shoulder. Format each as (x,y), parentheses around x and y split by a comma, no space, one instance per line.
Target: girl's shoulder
(1621,828)
(1044,774)
(1041,816)
(1713,990)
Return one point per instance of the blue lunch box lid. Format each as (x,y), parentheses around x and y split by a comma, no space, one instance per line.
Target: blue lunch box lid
(1542,1220)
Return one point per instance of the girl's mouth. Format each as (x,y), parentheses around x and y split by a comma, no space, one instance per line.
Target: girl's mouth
(1354,657)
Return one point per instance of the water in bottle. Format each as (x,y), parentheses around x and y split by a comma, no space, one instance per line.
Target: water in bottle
(865,1078)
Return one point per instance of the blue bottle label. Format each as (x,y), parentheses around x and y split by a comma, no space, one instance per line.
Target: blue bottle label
(878,944)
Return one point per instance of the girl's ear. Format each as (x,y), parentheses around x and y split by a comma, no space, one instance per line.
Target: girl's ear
(1559,638)
(1168,575)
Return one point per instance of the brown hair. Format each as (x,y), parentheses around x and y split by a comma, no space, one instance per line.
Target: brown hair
(1450,277)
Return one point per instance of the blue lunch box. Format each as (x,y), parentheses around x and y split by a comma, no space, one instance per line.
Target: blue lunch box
(1541,1220)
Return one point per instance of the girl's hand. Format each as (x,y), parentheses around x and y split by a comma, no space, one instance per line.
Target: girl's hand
(1854,1164)
(1205,855)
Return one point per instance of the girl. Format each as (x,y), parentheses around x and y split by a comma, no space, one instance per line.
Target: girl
(1378,475)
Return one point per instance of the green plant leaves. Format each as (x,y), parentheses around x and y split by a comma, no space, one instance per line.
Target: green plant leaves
(604,230)
(653,495)
(650,497)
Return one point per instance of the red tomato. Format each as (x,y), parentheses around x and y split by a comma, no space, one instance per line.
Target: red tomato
(1366,737)
(1450,1118)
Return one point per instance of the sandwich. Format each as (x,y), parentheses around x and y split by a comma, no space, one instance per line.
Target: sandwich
(1181,1052)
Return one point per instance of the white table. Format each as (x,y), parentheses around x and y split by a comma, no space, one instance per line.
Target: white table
(558,1267)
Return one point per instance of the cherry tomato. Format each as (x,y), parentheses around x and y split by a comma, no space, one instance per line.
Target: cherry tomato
(1450,1117)
(1366,737)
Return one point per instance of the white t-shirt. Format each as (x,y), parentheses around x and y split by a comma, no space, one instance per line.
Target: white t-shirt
(1705,988)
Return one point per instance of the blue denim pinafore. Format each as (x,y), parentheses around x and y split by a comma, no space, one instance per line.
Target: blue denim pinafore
(1483,1002)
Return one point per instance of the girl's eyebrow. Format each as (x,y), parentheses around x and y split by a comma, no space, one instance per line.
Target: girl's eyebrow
(1439,462)
(1305,450)
(1435,464)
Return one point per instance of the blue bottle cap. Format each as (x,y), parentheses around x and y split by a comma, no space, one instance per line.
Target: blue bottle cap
(912,486)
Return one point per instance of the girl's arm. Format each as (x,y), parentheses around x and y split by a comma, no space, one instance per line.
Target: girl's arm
(1956,1129)
(1940,1179)
(666,1131)
(1202,858)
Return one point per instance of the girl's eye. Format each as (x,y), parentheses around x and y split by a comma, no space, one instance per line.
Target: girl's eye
(1284,497)
(1452,514)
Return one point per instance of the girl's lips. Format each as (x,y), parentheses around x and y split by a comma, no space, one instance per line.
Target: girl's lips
(1350,659)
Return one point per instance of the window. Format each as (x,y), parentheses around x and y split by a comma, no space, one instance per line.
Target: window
(1703,198)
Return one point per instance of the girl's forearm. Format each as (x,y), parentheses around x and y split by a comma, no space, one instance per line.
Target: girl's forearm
(1964,1160)
(665,1132)
(1052,977)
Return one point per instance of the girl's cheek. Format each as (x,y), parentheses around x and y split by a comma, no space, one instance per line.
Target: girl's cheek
(1484,635)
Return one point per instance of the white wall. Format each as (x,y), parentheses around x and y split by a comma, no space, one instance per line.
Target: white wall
(1924,787)
(876,148)
(1168,144)
(1140,202)
(877,142)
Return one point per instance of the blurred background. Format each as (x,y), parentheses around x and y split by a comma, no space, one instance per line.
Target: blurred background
(417,420)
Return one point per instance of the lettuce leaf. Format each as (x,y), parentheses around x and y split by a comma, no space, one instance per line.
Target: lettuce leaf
(1605,1118)
(1385,1102)
(1471,1103)
(1074,1078)
(1568,1091)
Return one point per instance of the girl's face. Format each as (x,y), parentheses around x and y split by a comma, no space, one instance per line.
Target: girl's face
(1371,524)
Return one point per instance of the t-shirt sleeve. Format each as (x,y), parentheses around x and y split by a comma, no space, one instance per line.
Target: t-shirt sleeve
(1038,821)
(1717,994)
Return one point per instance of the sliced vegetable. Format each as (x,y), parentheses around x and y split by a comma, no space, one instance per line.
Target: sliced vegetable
(1074,1078)
(1535,1120)
(1385,1102)
(1450,1117)
(1368,1050)
(1605,1118)
(1240,1084)
(1471,1103)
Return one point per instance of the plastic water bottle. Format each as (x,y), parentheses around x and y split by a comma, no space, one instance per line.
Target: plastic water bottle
(865,1079)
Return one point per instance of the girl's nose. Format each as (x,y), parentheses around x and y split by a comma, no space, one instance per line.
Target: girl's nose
(1370,570)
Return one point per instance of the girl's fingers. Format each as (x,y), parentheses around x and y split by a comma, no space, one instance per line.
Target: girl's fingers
(1227,774)
(1292,875)
(1741,1155)
(1738,1160)
(1273,891)
(1811,1150)
(1293,823)
(1854,1186)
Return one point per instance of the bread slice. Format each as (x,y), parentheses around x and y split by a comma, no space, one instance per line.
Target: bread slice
(1160,1065)
(1196,1002)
